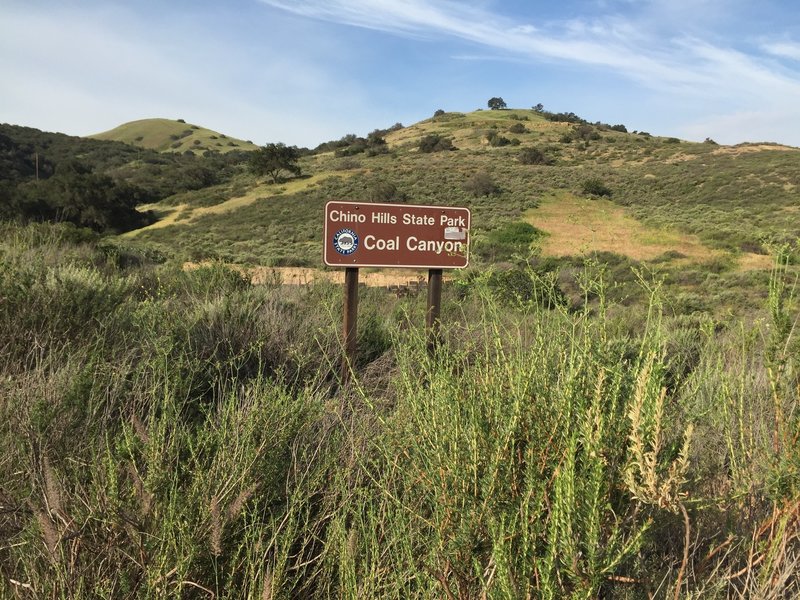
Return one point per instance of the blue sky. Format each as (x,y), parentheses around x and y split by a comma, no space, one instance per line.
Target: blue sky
(306,71)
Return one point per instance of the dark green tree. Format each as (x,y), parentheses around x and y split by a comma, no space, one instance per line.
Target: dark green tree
(274,159)
(496,103)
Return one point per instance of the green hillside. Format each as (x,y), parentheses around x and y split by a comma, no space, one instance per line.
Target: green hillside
(48,176)
(705,219)
(680,208)
(165,135)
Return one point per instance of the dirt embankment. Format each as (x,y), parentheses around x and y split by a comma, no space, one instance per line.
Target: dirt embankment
(303,276)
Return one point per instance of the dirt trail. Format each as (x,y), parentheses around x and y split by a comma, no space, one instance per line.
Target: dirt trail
(303,276)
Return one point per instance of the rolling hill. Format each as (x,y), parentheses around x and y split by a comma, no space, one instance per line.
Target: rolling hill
(705,217)
(165,135)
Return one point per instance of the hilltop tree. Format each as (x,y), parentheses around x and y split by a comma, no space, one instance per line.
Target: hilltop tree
(496,103)
(274,159)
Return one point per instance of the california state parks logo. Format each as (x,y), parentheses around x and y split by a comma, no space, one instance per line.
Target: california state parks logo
(345,241)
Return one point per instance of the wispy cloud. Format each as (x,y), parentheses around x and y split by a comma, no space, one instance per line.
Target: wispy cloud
(91,69)
(643,45)
(789,50)
(614,42)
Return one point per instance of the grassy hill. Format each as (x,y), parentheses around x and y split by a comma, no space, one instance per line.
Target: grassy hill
(165,135)
(702,215)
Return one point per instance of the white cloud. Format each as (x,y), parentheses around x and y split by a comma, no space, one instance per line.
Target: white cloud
(641,48)
(81,70)
(789,50)
(613,42)
(92,70)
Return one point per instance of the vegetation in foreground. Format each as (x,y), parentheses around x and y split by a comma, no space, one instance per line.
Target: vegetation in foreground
(182,435)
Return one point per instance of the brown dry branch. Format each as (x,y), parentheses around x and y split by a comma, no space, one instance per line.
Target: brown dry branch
(235,508)
(145,497)
(140,429)
(687,540)
(52,488)
(217,527)
(50,535)
(266,592)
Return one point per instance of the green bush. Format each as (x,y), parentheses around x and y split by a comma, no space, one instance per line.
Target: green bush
(507,242)
(564,453)
(481,184)
(595,187)
(526,288)
(534,156)
(496,140)
(435,143)
(381,190)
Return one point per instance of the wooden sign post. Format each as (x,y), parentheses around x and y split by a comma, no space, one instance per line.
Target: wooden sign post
(350,321)
(394,235)
(434,308)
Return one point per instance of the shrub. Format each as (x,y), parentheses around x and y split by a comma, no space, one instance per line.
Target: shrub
(585,132)
(439,112)
(595,187)
(523,287)
(435,143)
(384,191)
(347,164)
(481,184)
(507,241)
(496,140)
(564,117)
(534,156)
(517,128)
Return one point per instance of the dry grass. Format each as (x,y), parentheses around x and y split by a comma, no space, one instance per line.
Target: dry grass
(749,148)
(303,276)
(306,276)
(755,262)
(583,225)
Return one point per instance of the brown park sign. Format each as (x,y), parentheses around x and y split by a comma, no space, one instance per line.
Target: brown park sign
(363,234)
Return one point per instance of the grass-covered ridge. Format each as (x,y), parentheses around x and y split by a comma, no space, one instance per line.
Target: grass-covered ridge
(168,135)
(705,217)
(182,434)
(738,200)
